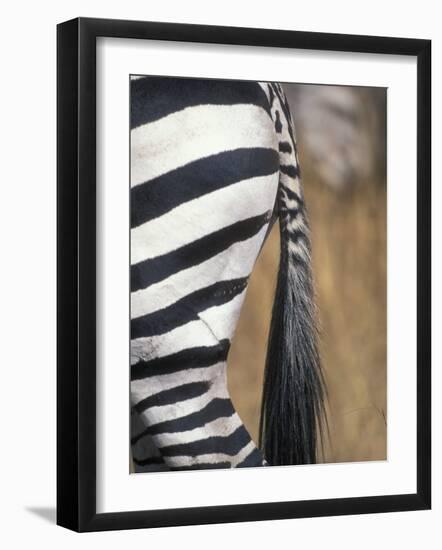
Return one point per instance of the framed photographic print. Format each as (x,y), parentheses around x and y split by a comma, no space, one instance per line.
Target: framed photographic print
(243,274)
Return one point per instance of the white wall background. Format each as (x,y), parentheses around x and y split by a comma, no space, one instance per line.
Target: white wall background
(27,289)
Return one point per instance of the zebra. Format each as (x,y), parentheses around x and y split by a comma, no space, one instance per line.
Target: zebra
(214,163)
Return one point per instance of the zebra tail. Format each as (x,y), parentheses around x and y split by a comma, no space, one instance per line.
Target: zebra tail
(292,410)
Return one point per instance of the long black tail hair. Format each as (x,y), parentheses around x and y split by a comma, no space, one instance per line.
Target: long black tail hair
(292,410)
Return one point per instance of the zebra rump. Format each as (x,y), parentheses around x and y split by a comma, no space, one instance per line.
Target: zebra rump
(292,409)
(210,162)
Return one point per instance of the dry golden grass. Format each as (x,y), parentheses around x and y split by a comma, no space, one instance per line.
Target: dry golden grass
(349,264)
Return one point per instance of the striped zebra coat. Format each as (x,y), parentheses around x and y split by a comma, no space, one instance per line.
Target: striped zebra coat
(213,164)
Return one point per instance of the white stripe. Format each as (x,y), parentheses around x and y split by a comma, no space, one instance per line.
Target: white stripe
(287,159)
(244,453)
(196,132)
(140,389)
(299,248)
(233,263)
(215,324)
(291,204)
(192,334)
(221,427)
(155,415)
(199,217)
(296,223)
(211,458)
(294,184)
(223,319)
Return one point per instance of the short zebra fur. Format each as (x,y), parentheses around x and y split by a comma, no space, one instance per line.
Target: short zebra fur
(210,160)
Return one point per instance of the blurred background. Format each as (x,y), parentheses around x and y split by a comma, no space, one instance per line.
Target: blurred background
(341,135)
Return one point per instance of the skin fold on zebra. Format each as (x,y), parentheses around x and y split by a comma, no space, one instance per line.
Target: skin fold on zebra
(213,165)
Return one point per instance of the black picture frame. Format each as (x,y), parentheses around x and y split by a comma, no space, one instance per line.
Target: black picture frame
(76,273)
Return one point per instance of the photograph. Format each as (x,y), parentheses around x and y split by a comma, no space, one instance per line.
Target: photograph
(218,260)
(258,273)
(243,277)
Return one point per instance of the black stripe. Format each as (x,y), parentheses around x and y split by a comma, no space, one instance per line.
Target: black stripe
(217,408)
(290,170)
(229,445)
(298,261)
(278,123)
(151,271)
(186,309)
(286,111)
(203,466)
(293,196)
(271,95)
(172,396)
(192,358)
(284,105)
(155,97)
(252,460)
(296,235)
(292,212)
(285,147)
(200,177)
(148,461)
